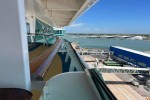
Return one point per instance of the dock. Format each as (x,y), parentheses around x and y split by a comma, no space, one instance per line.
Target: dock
(120,89)
(117,86)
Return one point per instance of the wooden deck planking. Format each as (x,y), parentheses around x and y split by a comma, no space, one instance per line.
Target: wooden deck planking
(37,52)
(54,69)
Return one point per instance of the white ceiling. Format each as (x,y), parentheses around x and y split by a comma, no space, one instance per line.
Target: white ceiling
(58,13)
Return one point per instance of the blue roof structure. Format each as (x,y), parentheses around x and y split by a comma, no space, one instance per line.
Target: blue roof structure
(138,58)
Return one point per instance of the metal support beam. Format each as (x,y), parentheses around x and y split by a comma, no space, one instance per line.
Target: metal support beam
(123,70)
(74,59)
(67,57)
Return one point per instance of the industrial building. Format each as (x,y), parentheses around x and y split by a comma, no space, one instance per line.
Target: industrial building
(137,58)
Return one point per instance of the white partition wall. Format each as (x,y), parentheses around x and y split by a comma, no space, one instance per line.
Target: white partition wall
(14,62)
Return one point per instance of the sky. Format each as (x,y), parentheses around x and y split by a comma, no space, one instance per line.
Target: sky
(114,16)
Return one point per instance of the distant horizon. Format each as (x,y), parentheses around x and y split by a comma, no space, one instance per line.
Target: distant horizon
(114,16)
(109,33)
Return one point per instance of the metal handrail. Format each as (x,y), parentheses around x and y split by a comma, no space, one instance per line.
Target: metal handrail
(104,91)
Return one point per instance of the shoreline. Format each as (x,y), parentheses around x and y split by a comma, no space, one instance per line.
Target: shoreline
(106,43)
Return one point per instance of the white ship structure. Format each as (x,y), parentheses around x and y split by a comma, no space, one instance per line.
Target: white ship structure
(37,64)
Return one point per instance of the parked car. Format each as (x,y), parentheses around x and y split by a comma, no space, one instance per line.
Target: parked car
(135,82)
(141,79)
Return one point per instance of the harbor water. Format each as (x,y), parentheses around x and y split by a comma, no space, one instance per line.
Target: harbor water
(105,43)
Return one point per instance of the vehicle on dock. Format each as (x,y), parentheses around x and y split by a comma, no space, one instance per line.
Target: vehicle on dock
(141,79)
(135,82)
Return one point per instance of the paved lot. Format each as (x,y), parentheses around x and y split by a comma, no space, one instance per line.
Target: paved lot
(140,89)
(120,89)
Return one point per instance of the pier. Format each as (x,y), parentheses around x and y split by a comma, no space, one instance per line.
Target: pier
(117,78)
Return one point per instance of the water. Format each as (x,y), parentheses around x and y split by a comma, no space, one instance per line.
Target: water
(140,45)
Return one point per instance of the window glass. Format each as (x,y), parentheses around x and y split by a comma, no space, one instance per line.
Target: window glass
(142,64)
(126,58)
(133,60)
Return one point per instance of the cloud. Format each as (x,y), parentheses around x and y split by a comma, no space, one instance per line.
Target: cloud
(76,24)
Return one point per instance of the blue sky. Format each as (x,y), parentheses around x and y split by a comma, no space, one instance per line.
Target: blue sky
(114,16)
